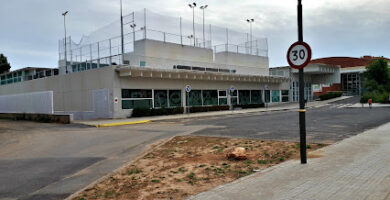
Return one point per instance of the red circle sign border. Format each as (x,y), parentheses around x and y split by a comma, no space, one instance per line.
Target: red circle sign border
(306,62)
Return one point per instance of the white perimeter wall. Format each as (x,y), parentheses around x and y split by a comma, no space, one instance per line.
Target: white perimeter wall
(34,102)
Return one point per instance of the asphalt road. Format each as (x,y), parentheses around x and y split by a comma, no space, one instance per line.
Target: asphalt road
(52,161)
(328,124)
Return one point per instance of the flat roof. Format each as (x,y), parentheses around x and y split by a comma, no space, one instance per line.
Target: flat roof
(27,68)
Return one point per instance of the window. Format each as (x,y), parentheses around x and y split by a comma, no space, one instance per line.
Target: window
(160,98)
(244,96)
(275,96)
(136,98)
(285,95)
(222,97)
(210,97)
(142,63)
(136,93)
(175,98)
(143,103)
(3,80)
(233,97)
(195,98)
(256,97)
(267,96)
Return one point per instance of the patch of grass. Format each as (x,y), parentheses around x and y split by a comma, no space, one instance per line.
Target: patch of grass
(110,194)
(134,171)
(218,170)
(155,181)
(308,146)
(281,159)
(248,162)
(182,170)
(262,162)
(191,175)
(202,165)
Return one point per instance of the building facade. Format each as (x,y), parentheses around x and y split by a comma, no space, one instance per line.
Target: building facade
(317,77)
(155,77)
(351,71)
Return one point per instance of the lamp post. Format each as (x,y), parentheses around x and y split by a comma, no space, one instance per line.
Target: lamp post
(66,62)
(190,38)
(204,40)
(122,37)
(193,5)
(133,27)
(250,21)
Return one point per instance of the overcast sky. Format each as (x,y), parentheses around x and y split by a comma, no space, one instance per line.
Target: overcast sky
(30,29)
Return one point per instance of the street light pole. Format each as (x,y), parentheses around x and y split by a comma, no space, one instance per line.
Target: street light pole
(204,38)
(133,27)
(193,5)
(65,56)
(250,21)
(122,37)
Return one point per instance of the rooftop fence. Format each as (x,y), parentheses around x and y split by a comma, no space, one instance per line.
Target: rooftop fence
(103,46)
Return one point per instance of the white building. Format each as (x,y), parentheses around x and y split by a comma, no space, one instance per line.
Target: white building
(152,73)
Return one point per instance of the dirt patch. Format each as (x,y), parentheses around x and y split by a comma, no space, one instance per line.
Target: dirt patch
(187,165)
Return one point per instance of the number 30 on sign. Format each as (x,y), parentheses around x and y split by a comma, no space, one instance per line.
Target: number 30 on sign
(299,55)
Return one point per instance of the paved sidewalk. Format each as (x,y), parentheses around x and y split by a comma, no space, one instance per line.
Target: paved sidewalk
(356,168)
(374,105)
(135,120)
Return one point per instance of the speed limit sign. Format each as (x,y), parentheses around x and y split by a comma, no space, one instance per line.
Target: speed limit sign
(299,55)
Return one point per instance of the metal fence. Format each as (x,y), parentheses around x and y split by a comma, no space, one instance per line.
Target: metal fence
(103,46)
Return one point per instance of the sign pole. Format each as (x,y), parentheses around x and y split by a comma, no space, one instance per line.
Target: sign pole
(302,111)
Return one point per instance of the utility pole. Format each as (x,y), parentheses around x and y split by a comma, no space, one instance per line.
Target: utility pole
(65,56)
(302,111)
(193,5)
(204,38)
(122,37)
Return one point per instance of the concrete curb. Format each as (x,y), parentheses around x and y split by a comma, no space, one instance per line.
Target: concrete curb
(211,114)
(122,123)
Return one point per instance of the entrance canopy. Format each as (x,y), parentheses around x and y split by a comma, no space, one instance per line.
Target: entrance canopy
(194,75)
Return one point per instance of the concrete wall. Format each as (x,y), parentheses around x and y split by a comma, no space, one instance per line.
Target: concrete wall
(34,102)
(245,64)
(72,93)
(165,50)
(63,119)
(163,55)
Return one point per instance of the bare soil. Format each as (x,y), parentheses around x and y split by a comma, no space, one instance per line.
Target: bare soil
(187,165)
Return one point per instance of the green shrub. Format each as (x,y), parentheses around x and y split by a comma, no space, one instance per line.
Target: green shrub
(208,108)
(330,95)
(376,97)
(142,112)
(261,105)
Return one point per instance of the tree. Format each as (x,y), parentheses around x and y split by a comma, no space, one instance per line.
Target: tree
(4,65)
(377,76)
